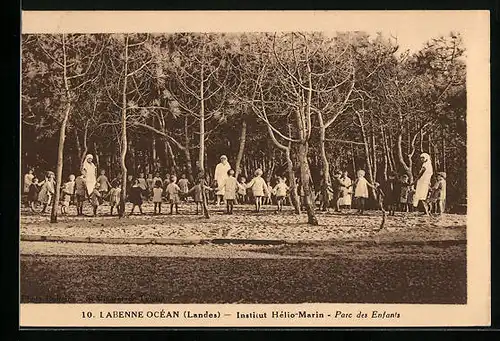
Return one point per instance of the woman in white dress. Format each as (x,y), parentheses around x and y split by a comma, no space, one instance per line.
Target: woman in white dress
(422,182)
(90,171)
(346,198)
(220,177)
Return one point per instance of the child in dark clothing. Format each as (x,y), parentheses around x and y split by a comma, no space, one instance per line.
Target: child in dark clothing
(135,196)
(33,194)
(196,192)
(391,192)
(337,190)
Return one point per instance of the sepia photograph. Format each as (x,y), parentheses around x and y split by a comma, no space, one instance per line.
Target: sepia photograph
(244,167)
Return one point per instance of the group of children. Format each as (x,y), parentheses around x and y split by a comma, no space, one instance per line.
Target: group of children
(394,194)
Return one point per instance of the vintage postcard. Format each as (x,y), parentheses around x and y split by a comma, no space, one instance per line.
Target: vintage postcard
(255,169)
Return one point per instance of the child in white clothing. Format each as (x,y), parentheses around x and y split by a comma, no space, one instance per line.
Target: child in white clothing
(259,188)
(157,196)
(280,190)
(361,190)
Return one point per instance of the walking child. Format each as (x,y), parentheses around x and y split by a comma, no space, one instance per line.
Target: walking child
(280,190)
(230,187)
(115,197)
(242,191)
(95,198)
(104,185)
(47,191)
(196,192)
(173,192)
(135,196)
(438,193)
(361,190)
(33,194)
(67,192)
(80,193)
(157,197)
(184,186)
(259,188)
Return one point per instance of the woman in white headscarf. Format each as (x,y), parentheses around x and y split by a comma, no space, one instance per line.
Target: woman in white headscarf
(423,182)
(220,177)
(90,171)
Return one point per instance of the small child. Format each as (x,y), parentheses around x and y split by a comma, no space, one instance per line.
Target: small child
(142,183)
(157,197)
(438,193)
(280,190)
(337,185)
(173,191)
(115,197)
(405,190)
(67,191)
(47,191)
(259,188)
(129,184)
(184,186)
(104,184)
(411,193)
(135,196)
(195,191)
(157,178)
(230,187)
(242,191)
(392,191)
(95,198)
(361,190)
(33,194)
(326,196)
(80,193)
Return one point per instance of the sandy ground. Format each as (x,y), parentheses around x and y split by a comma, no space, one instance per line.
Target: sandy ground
(347,272)
(245,224)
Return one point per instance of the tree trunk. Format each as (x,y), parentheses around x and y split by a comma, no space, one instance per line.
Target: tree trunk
(78,148)
(187,152)
(60,161)
(324,160)
(292,185)
(153,155)
(124,142)
(201,153)
(97,156)
(85,144)
(367,152)
(241,149)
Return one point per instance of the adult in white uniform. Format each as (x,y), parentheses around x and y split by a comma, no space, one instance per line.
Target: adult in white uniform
(90,171)
(423,182)
(220,177)
(346,198)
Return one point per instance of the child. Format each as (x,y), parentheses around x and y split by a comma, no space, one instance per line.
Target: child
(242,191)
(281,191)
(438,193)
(361,190)
(47,191)
(337,186)
(142,183)
(135,196)
(114,197)
(405,190)
(157,196)
(326,195)
(391,191)
(259,188)
(95,198)
(33,194)
(195,191)
(67,191)
(150,185)
(80,193)
(230,187)
(157,178)
(184,186)
(173,191)
(129,184)
(104,184)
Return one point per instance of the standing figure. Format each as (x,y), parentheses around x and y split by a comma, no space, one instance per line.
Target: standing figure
(150,185)
(259,188)
(404,193)
(67,192)
(157,197)
(135,196)
(184,186)
(346,199)
(33,194)
(47,191)
(90,170)
(337,187)
(173,194)
(28,179)
(196,192)
(230,187)
(280,190)
(104,184)
(392,192)
(220,177)
(438,193)
(80,193)
(422,182)
(361,190)
(114,197)
(242,191)
(95,198)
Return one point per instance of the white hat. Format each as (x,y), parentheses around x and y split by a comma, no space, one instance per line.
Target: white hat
(223,157)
